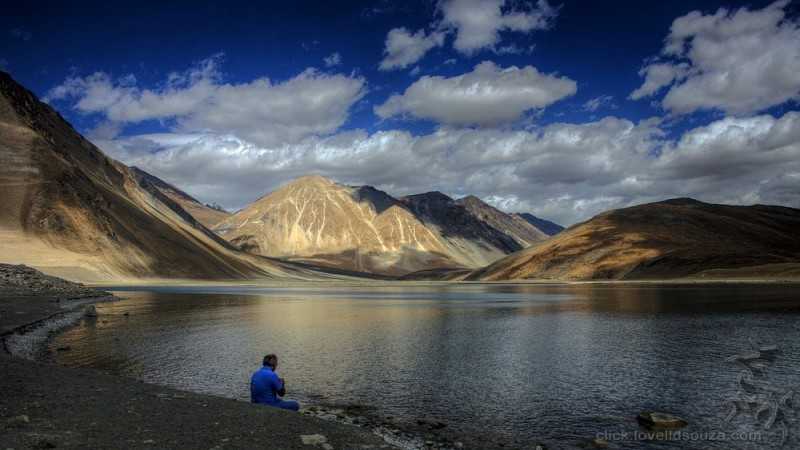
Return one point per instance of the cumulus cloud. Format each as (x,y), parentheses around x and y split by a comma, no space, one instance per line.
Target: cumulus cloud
(489,95)
(478,23)
(738,62)
(565,172)
(261,111)
(334,59)
(658,76)
(404,48)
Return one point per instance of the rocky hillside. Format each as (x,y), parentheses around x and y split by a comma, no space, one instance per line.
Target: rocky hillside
(513,225)
(69,208)
(669,239)
(22,281)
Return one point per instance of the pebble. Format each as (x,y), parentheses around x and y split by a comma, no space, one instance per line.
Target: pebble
(18,420)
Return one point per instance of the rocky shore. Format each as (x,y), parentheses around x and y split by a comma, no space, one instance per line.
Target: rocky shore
(46,406)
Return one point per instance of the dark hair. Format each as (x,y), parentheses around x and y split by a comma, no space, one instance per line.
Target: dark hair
(269,358)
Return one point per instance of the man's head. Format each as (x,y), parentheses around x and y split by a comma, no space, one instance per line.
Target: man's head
(271,360)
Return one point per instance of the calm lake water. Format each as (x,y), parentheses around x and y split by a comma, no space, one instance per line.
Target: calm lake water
(511,364)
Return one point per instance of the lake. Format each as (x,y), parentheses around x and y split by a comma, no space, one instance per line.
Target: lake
(558,364)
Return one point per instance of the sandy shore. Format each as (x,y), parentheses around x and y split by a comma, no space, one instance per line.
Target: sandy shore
(46,406)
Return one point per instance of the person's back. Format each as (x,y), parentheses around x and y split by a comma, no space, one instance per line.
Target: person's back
(266,386)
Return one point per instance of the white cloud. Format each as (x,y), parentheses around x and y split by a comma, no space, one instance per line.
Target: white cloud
(602,101)
(404,48)
(261,111)
(334,59)
(658,76)
(738,62)
(565,172)
(478,23)
(489,95)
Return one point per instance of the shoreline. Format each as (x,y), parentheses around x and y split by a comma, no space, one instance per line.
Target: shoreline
(129,284)
(30,342)
(51,406)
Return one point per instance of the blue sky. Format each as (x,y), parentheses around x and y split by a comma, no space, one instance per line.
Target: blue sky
(561,148)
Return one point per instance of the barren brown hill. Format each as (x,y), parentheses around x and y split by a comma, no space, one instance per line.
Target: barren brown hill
(69,209)
(670,239)
(206,215)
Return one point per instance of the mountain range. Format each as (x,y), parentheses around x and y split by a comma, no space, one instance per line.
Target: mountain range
(72,211)
(318,221)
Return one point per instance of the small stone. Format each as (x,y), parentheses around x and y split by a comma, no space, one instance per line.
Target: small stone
(659,420)
(313,439)
(459,444)
(17,421)
(148,441)
(65,348)
(600,443)
(91,311)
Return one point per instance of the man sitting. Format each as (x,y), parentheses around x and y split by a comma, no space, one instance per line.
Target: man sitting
(266,386)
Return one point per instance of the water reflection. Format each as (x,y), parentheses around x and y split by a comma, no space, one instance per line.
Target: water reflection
(509,363)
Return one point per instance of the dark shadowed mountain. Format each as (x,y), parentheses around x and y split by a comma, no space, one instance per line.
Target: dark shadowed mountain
(546,226)
(512,225)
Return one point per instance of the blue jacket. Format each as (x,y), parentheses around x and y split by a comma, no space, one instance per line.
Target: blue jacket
(264,386)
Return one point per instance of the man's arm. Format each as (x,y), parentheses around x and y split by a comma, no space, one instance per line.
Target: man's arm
(277,385)
(282,389)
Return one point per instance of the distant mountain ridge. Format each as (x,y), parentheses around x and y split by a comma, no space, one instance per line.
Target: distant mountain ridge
(546,226)
(316,220)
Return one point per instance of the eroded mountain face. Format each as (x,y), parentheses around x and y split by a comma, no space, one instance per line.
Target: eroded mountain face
(361,228)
